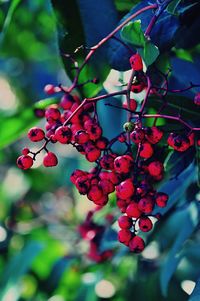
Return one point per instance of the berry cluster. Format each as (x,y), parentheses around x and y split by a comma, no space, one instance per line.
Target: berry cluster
(92,232)
(132,175)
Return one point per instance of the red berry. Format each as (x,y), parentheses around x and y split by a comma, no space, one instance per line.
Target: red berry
(107,186)
(36,134)
(101,143)
(125,189)
(49,89)
(146,205)
(92,154)
(133,211)
(95,193)
(155,168)
(107,162)
(132,105)
(145,224)
(67,101)
(137,136)
(25,151)
(24,162)
(82,184)
(121,138)
(123,164)
(137,87)
(50,160)
(63,134)
(76,174)
(52,113)
(153,134)
(124,236)
(136,62)
(161,199)
(136,244)
(178,142)
(125,222)
(146,150)
(81,137)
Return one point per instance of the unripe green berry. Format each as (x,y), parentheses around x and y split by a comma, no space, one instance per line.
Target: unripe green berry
(128,126)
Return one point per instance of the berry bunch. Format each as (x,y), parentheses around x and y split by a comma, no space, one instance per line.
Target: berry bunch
(133,175)
(92,232)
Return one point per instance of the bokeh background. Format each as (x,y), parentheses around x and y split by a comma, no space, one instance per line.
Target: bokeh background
(42,254)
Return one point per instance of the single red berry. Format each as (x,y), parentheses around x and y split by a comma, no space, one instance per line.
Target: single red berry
(123,164)
(146,150)
(161,199)
(52,112)
(82,184)
(145,224)
(153,134)
(136,62)
(67,101)
(179,142)
(36,134)
(125,189)
(49,89)
(76,174)
(121,138)
(63,134)
(81,137)
(137,136)
(101,143)
(50,160)
(107,186)
(155,168)
(107,162)
(146,205)
(25,151)
(133,211)
(136,244)
(132,105)
(95,193)
(94,131)
(24,162)
(125,222)
(124,236)
(39,112)
(92,153)
(137,87)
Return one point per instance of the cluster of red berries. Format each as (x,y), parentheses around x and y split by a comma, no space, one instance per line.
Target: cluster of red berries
(93,233)
(131,175)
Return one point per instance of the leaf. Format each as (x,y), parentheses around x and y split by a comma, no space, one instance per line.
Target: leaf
(133,34)
(171,8)
(149,53)
(83,19)
(189,221)
(195,296)
(11,10)
(18,266)
(13,127)
(172,188)
(177,162)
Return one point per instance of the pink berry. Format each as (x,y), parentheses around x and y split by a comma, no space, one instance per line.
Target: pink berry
(145,224)
(136,244)
(24,162)
(50,160)
(63,134)
(36,134)
(125,222)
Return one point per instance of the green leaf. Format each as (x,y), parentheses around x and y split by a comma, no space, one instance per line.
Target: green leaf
(133,34)
(14,126)
(149,53)
(11,10)
(18,266)
(172,6)
(188,220)
(195,296)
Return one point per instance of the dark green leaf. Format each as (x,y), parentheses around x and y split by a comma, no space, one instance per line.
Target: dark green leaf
(14,126)
(11,10)
(172,6)
(18,266)
(149,53)
(189,220)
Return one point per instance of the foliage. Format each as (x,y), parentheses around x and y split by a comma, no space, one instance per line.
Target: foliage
(43,256)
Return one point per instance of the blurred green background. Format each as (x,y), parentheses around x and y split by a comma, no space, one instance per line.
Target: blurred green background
(42,255)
